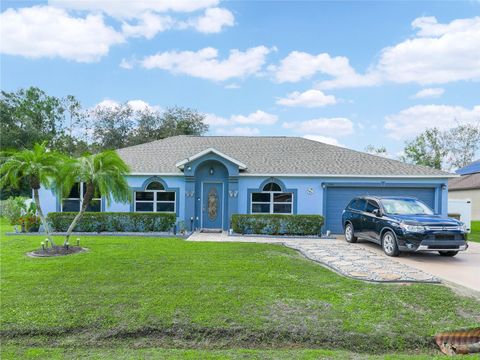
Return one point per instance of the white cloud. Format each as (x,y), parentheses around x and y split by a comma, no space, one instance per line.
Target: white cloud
(121,9)
(258,117)
(436,54)
(310,98)
(300,66)
(322,126)
(214,120)
(239,131)
(42,31)
(232,86)
(147,18)
(205,63)
(429,93)
(324,139)
(410,122)
(136,105)
(126,64)
(148,25)
(440,53)
(76,30)
(213,21)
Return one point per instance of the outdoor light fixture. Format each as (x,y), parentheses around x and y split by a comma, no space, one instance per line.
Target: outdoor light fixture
(189,168)
(211,171)
(444,187)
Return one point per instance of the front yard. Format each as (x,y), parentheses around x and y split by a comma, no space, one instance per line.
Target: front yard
(475,232)
(151,298)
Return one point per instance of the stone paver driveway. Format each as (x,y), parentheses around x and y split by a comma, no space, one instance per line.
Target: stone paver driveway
(349,260)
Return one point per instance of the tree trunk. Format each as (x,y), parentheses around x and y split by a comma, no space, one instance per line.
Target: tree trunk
(36,198)
(87,197)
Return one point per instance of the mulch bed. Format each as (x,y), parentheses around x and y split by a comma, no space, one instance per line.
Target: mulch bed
(56,251)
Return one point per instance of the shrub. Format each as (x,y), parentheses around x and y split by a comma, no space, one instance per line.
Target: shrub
(30,221)
(13,208)
(113,221)
(275,224)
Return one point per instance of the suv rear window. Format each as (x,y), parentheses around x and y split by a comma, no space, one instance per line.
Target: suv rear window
(357,204)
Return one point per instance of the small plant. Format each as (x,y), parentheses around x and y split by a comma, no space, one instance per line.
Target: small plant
(13,208)
(30,222)
(182,228)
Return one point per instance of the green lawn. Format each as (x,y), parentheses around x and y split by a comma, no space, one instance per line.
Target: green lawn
(132,297)
(475,232)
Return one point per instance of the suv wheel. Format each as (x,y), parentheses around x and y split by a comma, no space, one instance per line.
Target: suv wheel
(389,244)
(448,253)
(349,234)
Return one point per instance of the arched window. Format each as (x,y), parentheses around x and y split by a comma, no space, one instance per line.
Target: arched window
(155,199)
(272,200)
(271,186)
(155,185)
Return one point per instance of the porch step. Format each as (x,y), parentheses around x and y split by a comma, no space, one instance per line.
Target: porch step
(211,230)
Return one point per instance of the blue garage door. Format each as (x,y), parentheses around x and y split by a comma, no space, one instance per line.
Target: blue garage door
(339,197)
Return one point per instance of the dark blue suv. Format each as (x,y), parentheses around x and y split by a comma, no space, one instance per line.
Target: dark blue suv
(402,224)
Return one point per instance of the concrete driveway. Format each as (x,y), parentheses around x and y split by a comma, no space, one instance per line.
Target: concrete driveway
(463,269)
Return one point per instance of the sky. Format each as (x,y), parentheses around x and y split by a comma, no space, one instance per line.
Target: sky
(349,73)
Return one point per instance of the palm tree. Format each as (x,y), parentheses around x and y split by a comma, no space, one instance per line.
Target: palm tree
(39,166)
(103,175)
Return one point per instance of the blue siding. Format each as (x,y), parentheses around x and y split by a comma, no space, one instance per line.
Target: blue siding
(337,199)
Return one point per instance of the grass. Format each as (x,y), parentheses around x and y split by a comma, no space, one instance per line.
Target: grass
(475,232)
(133,297)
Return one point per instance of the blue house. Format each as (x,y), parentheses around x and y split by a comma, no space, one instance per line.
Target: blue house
(206,179)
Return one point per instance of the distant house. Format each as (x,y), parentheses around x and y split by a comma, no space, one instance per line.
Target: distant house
(467,186)
(206,179)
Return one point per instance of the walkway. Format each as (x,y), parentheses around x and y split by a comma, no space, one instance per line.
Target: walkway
(352,260)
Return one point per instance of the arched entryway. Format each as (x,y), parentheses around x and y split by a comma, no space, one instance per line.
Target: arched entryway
(211,183)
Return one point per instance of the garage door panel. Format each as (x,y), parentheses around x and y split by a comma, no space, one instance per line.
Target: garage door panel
(337,198)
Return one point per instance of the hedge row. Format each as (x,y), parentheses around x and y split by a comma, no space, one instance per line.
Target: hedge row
(273,224)
(113,221)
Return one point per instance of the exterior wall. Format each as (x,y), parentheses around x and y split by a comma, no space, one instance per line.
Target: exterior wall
(137,183)
(304,202)
(309,192)
(48,201)
(473,195)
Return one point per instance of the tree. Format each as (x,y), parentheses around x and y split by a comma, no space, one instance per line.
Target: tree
(449,149)
(182,121)
(463,142)
(39,167)
(428,149)
(380,151)
(30,116)
(103,175)
(120,126)
(113,126)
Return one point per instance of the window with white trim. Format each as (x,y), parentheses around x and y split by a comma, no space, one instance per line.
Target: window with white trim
(155,199)
(272,200)
(73,202)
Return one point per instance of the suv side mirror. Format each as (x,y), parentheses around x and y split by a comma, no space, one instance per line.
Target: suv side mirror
(377,212)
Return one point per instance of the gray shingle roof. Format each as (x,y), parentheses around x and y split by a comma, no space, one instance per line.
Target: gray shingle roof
(465,182)
(268,155)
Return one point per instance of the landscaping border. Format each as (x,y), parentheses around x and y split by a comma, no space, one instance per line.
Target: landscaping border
(140,234)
